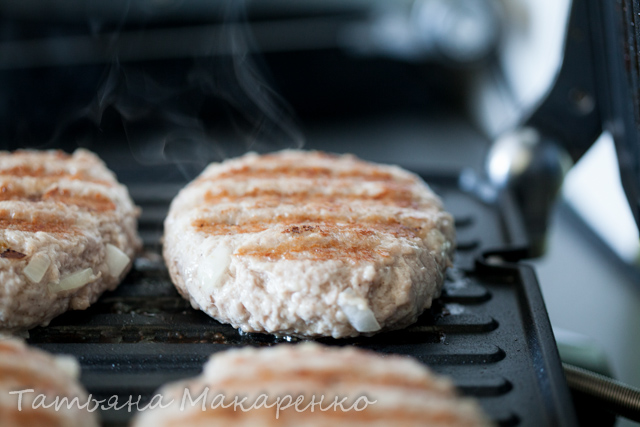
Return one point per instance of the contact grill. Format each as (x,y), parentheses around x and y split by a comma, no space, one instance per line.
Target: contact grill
(489,330)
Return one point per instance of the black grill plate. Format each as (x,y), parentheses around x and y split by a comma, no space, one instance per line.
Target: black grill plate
(489,331)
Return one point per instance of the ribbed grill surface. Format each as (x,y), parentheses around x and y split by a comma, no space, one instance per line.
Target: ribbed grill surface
(144,334)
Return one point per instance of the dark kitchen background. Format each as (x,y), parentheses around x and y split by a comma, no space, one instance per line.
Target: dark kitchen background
(160,88)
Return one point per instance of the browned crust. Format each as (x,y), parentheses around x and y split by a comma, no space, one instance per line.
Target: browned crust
(325,225)
(330,230)
(11,254)
(361,172)
(40,189)
(325,378)
(40,172)
(391,194)
(47,222)
(56,154)
(94,202)
(398,391)
(357,247)
(21,368)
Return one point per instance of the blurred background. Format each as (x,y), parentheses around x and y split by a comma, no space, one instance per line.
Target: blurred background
(507,94)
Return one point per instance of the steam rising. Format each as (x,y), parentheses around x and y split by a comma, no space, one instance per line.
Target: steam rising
(162,114)
(236,78)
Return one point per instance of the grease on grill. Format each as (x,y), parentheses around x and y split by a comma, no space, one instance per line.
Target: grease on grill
(138,319)
(129,334)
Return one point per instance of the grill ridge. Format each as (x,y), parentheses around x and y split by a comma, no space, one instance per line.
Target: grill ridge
(144,334)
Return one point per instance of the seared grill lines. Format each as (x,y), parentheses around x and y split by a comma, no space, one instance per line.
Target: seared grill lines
(24,368)
(398,391)
(67,229)
(303,243)
(330,217)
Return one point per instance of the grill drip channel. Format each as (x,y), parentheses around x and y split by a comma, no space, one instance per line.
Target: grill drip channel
(489,331)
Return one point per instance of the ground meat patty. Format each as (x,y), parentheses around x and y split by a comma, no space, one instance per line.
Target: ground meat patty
(49,378)
(307,243)
(374,391)
(67,234)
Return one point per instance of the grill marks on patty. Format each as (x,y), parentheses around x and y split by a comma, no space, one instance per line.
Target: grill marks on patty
(48,222)
(391,194)
(320,248)
(26,170)
(322,225)
(399,391)
(364,173)
(42,205)
(301,223)
(37,183)
(63,226)
(308,245)
(24,368)
(96,202)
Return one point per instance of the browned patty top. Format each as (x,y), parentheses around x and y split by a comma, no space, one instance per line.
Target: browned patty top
(329,205)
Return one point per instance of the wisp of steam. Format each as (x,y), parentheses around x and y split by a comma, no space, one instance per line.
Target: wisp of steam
(161,115)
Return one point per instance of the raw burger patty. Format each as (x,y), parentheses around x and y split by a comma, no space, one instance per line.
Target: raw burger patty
(399,391)
(308,244)
(67,234)
(24,368)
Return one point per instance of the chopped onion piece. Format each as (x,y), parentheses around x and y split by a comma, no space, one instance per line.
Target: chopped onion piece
(37,267)
(211,270)
(358,312)
(74,281)
(117,260)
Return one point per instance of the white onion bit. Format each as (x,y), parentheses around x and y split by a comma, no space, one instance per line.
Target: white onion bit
(117,261)
(74,281)
(211,270)
(358,312)
(37,267)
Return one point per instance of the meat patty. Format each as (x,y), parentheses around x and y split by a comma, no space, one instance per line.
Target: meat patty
(68,231)
(308,244)
(398,391)
(23,369)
